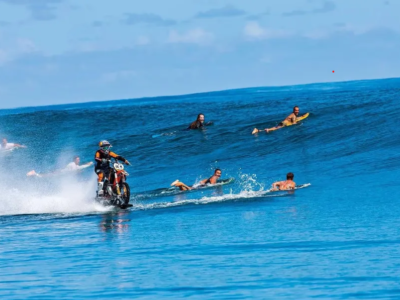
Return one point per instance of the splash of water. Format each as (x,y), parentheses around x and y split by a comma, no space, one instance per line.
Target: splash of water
(36,196)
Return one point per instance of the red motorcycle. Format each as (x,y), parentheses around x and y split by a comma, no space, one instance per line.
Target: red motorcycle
(116,191)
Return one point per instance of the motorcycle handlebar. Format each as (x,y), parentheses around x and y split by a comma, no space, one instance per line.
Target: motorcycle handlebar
(110,160)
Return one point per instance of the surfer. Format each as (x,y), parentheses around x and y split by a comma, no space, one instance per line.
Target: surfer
(288,184)
(199,123)
(5,145)
(212,180)
(72,166)
(290,120)
(102,156)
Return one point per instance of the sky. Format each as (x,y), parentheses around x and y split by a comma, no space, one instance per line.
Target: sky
(69,51)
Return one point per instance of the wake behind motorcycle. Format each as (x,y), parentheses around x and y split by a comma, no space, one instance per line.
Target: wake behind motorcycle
(116,191)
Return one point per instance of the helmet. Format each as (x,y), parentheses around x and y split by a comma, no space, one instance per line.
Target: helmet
(105,146)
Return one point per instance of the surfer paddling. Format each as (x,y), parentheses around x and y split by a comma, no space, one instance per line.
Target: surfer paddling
(5,145)
(290,120)
(212,180)
(75,165)
(199,123)
(288,184)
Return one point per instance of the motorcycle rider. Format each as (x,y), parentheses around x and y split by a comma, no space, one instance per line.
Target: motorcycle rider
(102,157)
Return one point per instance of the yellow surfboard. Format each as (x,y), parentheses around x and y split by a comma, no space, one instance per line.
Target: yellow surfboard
(299,119)
(285,125)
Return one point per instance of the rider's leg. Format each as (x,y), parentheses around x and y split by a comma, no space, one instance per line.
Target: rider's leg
(100,176)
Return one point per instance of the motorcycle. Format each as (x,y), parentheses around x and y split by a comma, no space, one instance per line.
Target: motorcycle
(116,191)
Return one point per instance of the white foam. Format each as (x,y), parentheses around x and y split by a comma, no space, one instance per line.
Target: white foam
(204,200)
(244,194)
(67,196)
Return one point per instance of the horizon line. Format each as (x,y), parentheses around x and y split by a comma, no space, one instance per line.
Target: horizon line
(188,94)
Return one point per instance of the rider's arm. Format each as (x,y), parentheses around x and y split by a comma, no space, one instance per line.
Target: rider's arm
(119,157)
(97,157)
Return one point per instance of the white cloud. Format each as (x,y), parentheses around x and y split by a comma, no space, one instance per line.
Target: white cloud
(317,34)
(25,46)
(12,49)
(357,30)
(324,33)
(118,75)
(4,57)
(253,30)
(142,40)
(194,36)
(88,47)
(266,60)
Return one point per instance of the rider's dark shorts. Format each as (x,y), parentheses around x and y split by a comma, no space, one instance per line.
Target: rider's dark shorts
(99,170)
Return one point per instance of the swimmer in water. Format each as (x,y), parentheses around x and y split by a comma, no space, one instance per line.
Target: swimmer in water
(199,123)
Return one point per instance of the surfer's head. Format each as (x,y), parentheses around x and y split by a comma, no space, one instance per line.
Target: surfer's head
(296,110)
(289,176)
(77,160)
(200,118)
(218,172)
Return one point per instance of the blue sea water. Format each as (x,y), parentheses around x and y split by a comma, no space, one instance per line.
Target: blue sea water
(338,238)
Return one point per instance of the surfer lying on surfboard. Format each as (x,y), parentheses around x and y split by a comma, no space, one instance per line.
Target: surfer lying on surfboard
(288,184)
(292,119)
(212,180)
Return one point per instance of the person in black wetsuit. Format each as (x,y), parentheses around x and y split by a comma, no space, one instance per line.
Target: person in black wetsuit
(199,123)
(101,168)
(212,180)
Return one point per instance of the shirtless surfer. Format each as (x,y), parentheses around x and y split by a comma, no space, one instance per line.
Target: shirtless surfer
(290,120)
(288,184)
(212,180)
(5,145)
(75,165)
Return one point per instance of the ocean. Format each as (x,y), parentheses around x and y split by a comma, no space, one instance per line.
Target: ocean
(337,238)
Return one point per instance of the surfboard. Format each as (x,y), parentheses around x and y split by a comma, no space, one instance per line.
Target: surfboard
(285,125)
(297,187)
(299,119)
(219,182)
